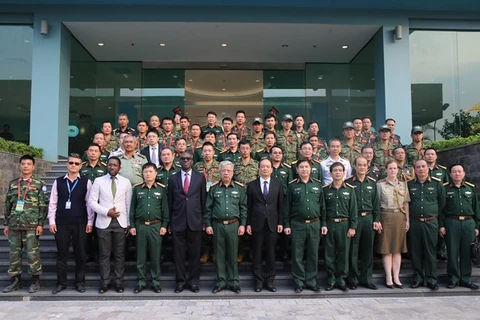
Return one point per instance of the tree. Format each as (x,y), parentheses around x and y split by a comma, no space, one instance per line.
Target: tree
(464,124)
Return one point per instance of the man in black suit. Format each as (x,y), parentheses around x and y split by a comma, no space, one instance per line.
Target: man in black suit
(152,150)
(186,202)
(264,221)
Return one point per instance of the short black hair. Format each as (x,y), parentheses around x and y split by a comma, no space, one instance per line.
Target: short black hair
(390,119)
(305,143)
(454,165)
(299,162)
(299,116)
(196,124)
(106,121)
(232,133)
(167,118)
(154,131)
(211,113)
(244,141)
(27,157)
(262,159)
(143,120)
(430,148)
(268,116)
(206,144)
(240,111)
(269,133)
(93,144)
(337,164)
(149,165)
(115,158)
(185,117)
(227,119)
(313,122)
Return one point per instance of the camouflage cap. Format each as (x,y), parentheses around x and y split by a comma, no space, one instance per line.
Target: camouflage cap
(347,125)
(384,127)
(257,119)
(287,117)
(417,129)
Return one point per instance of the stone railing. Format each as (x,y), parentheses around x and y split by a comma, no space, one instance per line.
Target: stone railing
(10,169)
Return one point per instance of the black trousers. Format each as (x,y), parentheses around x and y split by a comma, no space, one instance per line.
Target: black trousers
(192,242)
(111,239)
(71,234)
(264,238)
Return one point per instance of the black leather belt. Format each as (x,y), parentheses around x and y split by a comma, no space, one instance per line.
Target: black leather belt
(150,222)
(226,222)
(364,213)
(337,220)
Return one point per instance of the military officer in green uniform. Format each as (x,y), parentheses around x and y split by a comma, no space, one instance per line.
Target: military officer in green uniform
(231,154)
(427,199)
(211,125)
(306,152)
(383,149)
(26,205)
(93,167)
(304,220)
(373,170)
(269,142)
(459,224)
(416,149)
(225,218)
(406,172)
(149,217)
(98,138)
(180,147)
(368,134)
(287,139)
(342,211)
(123,126)
(394,138)
(168,167)
(350,148)
(281,170)
(361,246)
(198,153)
(319,145)
(132,161)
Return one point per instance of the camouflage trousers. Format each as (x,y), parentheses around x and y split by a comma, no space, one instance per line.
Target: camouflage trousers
(19,239)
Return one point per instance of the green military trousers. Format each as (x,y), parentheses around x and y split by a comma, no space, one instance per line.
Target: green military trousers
(423,250)
(19,239)
(305,239)
(225,247)
(148,240)
(337,247)
(361,247)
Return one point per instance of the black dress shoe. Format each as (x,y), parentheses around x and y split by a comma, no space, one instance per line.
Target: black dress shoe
(217,289)
(236,289)
(370,286)
(452,285)
(258,288)
(389,286)
(432,286)
(119,288)
(342,287)
(397,285)
(352,286)
(58,288)
(415,285)
(156,289)
(138,288)
(470,285)
(270,287)
(298,289)
(330,287)
(179,288)
(80,287)
(314,288)
(194,288)
(103,289)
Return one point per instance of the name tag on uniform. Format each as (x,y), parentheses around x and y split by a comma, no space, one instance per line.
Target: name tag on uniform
(19,206)
(68,205)
(209,184)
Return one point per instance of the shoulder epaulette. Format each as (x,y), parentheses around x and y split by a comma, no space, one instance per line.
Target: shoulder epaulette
(315,179)
(446,184)
(436,179)
(240,184)
(224,151)
(260,150)
(84,162)
(470,184)
(294,180)
(368,177)
(218,149)
(104,163)
(315,160)
(349,185)
(214,184)
(199,147)
(287,165)
(328,185)
(293,163)
(161,185)
(140,155)
(137,184)
(442,167)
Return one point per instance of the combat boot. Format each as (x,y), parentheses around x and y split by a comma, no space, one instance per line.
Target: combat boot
(35,286)
(15,284)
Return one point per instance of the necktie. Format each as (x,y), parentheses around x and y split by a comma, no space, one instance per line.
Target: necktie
(186,184)
(265,190)
(114,187)
(154,156)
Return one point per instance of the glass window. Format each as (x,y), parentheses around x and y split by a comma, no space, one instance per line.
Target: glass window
(445,96)
(15,81)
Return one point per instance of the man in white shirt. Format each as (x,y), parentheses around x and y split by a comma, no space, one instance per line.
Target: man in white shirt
(334,148)
(110,198)
(152,151)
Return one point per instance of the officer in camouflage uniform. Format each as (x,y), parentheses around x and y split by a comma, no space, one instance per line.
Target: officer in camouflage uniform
(351,149)
(269,140)
(231,154)
(184,131)
(383,149)
(257,138)
(416,149)
(319,145)
(287,139)
(242,131)
(225,219)
(93,167)
(180,147)
(394,138)
(149,218)
(304,220)
(342,212)
(222,138)
(459,223)
(167,137)
(367,134)
(406,172)
(26,206)
(195,141)
(301,133)
(110,139)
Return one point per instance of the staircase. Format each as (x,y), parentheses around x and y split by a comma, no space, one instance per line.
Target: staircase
(207,282)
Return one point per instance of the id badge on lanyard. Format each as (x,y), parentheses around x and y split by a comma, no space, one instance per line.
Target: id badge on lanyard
(21,202)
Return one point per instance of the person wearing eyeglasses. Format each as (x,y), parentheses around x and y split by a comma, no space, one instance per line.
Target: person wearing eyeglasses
(186,200)
(70,220)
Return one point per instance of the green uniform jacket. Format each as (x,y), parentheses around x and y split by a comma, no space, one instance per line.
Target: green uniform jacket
(304,201)
(341,203)
(149,204)
(262,154)
(460,201)
(283,173)
(215,129)
(243,133)
(233,157)
(163,174)
(92,173)
(367,195)
(316,173)
(426,199)
(103,156)
(35,205)
(226,203)
(439,172)
(198,156)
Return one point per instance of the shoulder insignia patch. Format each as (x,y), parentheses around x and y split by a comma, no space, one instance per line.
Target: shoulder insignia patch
(104,163)
(314,179)
(349,185)
(161,185)
(240,184)
(293,163)
(368,177)
(138,184)
(287,165)
(436,179)
(315,160)
(470,184)
(446,184)
(440,166)
(214,184)
(382,180)
(294,180)
(328,185)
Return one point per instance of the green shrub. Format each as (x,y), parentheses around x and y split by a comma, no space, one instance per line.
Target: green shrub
(456,142)
(20,148)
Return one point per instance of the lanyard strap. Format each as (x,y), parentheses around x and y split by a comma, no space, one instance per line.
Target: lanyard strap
(26,189)
(73,187)
(205,174)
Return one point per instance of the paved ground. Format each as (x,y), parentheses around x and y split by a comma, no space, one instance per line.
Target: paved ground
(425,308)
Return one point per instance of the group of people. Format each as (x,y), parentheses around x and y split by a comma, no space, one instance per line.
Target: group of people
(223,192)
